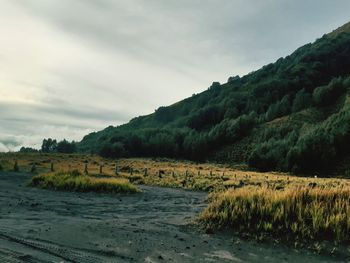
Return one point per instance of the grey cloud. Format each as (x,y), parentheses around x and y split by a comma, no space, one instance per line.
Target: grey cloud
(157,29)
(58,113)
(68,67)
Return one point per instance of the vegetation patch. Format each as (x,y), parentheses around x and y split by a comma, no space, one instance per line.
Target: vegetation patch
(294,214)
(75,181)
(304,96)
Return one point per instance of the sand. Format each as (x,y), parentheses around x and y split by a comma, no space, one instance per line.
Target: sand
(153,226)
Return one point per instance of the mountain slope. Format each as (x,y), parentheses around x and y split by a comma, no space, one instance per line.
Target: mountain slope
(266,118)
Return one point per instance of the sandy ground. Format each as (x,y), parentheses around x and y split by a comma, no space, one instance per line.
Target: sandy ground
(153,226)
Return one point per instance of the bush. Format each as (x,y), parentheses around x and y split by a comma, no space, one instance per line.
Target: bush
(66,147)
(278,109)
(327,95)
(320,147)
(270,155)
(302,100)
(115,150)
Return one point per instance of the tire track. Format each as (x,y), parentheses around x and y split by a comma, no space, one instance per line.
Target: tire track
(64,253)
(10,256)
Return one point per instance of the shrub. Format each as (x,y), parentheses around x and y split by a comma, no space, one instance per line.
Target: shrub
(326,95)
(320,147)
(270,155)
(66,146)
(278,109)
(302,100)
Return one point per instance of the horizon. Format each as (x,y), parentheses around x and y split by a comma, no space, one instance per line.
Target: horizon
(114,74)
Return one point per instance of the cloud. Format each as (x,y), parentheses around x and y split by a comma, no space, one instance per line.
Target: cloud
(68,67)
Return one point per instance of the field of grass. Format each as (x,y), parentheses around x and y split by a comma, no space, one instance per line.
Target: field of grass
(275,205)
(164,172)
(295,213)
(77,182)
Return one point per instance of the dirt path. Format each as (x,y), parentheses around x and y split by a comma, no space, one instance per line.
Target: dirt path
(45,226)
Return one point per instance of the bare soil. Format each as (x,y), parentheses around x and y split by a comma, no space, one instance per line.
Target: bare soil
(153,226)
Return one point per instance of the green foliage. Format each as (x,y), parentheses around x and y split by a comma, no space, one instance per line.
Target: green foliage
(326,95)
(317,149)
(278,109)
(66,147)
(302,101)
(237,112)
(270,155)
(320,147)
(28,150)
(49,145)
(206,118)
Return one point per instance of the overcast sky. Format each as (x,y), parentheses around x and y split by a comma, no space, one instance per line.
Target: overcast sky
(69,67)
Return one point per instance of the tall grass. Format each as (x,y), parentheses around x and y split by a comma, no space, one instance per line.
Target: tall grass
(75,181)
(295,213)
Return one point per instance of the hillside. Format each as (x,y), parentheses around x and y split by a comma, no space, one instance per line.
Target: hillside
(291,115)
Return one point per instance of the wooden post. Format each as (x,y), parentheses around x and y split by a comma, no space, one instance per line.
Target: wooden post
(131,170)
(211,173)
(199,173)
(186,173)
(173,174)
(101,170)
(33,169)
(15,166)
(86,169)
(145,172)
(51,167)
(116,170)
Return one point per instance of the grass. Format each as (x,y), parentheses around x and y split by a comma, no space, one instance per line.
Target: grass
(75,181)
(263,205)
(303,213)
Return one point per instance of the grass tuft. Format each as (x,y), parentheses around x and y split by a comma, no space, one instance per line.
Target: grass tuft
(294,214)
(75,181)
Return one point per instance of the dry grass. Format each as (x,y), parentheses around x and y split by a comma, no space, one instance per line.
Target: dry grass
(163,172)
(75,181)
(296,213)
(263,204)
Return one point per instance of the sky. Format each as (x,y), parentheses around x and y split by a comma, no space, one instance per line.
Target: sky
(70,67)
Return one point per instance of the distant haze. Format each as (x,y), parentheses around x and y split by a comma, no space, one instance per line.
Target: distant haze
(69,67)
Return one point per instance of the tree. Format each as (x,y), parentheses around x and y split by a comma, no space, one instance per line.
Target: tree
(66,147)
(326,95)
(278,109)
(302,100)
(49,145)
(27,150)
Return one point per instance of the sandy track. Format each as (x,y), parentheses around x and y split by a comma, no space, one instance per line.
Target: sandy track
(45,226)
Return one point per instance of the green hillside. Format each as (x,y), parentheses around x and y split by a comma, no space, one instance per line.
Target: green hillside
(291,115)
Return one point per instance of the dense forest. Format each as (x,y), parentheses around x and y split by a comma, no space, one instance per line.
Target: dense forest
(291,115)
